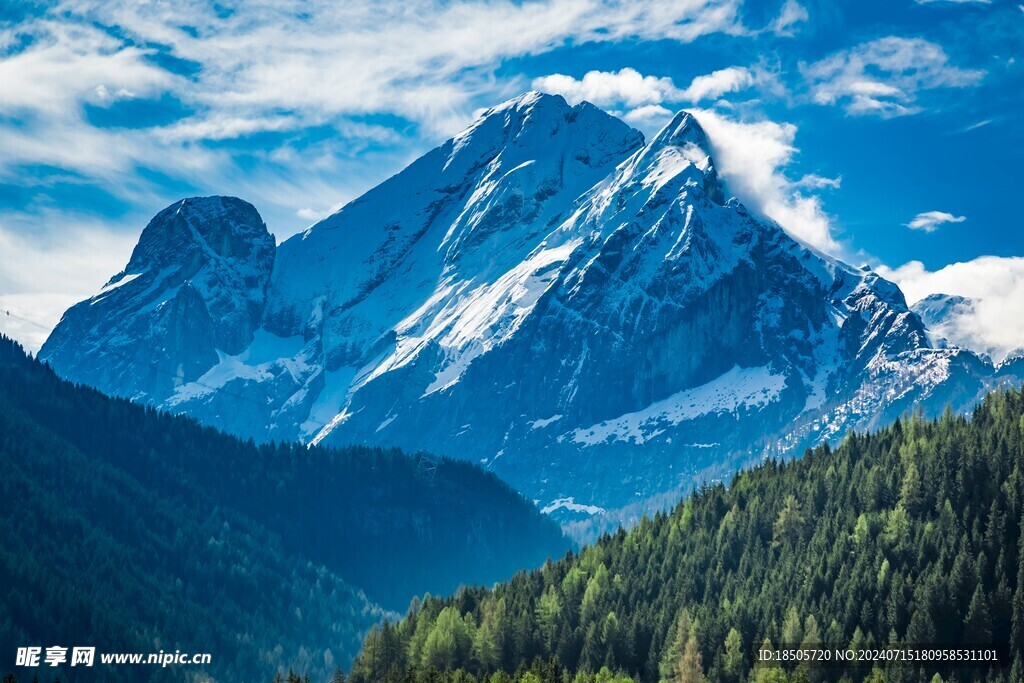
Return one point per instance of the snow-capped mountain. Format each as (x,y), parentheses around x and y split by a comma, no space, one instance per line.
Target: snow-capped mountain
(942,314)
(956,320)
(584,312)
(192,292)
(936,309)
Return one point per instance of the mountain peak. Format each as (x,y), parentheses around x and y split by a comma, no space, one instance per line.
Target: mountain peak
(214,208)
(543,114)
(681,149)
(195,284)
(529,100)
(531,107)
(227,227)
(683,129)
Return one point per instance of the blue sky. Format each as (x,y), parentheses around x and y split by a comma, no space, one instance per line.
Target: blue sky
(885,132)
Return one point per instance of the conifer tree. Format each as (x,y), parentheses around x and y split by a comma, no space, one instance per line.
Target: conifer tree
(790,521)
(978,623)
(792,632)
(677,657)
(733,659)
(690,669)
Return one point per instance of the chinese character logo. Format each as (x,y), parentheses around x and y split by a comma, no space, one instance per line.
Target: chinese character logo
(83,656)
(28,656)
(56,655)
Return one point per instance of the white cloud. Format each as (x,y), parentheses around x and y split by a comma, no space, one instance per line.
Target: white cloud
(71,65)
(309,214)
(883,77)
(648,102)
(425,60)
(630,89)
(929,221)
(976,125)
(752,159)
(792,13)
(46,89)
(718,83)
(41,277)
(650,117)
(627,87)
(224,127)
(267,67)
(995,324)
(314,215)
(812,181)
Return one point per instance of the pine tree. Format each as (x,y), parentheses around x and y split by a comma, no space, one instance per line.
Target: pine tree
(549,614)
(897,527)
(1017,611)
(812,640)
(792,632)
(449,641)
(690,669)
(733,659)
(487,641)
(676,655)
(790,521)
(910,490)
(978,623)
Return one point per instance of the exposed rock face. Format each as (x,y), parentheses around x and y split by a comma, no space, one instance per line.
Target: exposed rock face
(195,286)
(586,314)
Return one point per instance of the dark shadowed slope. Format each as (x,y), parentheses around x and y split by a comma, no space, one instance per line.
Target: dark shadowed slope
(132,529)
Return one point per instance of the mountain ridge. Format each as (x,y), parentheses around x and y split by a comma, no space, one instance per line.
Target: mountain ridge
(546,291)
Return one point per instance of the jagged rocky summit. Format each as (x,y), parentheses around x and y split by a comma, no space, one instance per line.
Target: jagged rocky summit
(192,293)
(584,312)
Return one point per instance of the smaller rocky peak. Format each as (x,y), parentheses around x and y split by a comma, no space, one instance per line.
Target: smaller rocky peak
(225,227)
(941,313)
(935,307)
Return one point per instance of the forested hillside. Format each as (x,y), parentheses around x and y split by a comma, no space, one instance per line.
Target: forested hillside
(133,530)
(907,536)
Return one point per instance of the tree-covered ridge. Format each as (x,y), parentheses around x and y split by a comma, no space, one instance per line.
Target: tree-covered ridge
(909,535)
(132,530)
(386,524)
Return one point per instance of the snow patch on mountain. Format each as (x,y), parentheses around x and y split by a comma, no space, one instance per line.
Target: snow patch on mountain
(569,504)
(737,389)
(255,363)
(542,423)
